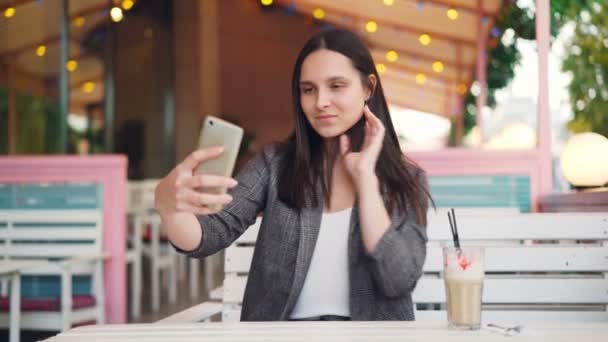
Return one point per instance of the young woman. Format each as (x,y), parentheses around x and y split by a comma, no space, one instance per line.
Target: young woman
(343,234)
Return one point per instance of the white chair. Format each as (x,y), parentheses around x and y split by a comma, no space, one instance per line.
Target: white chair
(140,199)
(134,258)
(145,241)
(538,267)
(237,261)
(72,241)
(161,256)
(141,204)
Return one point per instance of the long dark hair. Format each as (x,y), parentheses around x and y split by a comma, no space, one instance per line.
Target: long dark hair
(401,181)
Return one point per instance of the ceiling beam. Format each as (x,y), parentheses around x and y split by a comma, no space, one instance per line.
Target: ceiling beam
(51,39)
(408,69)
(462,7)
(401,82)
(96,79)
(388,23)
(14,4)
(413,105)
(422,56)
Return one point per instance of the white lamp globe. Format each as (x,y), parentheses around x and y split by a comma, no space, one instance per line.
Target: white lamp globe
(584,160)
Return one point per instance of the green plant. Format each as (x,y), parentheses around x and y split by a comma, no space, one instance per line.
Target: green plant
(589,69)
(587,63)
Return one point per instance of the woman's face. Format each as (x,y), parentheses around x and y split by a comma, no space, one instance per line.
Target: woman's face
(331,93)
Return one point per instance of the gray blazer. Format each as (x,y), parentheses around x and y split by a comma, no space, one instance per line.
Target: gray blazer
(381,283)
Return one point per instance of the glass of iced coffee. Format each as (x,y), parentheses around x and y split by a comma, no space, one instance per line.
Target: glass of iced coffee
(463,273)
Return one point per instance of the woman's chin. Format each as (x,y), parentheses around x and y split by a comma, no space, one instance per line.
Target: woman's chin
(330,133)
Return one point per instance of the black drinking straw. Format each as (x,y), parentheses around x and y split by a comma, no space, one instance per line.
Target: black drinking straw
(454,228)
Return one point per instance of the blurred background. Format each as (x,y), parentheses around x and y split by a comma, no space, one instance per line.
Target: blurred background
(464,80)
(138,76)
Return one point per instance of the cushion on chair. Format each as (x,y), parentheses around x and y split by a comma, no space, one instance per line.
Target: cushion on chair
(48,304)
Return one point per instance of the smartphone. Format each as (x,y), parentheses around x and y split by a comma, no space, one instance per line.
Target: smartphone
(218,132)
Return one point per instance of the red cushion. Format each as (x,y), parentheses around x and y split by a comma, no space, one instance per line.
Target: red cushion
(48,304)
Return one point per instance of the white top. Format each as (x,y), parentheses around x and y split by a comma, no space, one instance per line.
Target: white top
(326,287)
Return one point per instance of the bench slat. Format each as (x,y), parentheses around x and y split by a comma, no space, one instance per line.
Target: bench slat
(562,258)
(524,290)
(496,290)
(515,317)
(523,258)
(52,233)
(51,216)
(47,250)
(588,226)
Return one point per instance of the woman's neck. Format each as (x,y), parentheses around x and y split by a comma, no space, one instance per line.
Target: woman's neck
(341,186)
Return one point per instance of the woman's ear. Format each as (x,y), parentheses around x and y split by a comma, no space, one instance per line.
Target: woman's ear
(372,81)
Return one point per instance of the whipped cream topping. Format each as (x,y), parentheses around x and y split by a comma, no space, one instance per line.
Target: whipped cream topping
(461,266)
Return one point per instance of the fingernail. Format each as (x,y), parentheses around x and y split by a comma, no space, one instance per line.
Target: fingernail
(233,183)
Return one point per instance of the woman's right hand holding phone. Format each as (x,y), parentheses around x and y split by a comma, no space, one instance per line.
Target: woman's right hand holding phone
(182,191)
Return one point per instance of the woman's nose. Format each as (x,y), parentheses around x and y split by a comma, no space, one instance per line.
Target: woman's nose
(323,100)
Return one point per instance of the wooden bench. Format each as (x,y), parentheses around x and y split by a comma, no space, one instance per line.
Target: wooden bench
(68,290)
(538,267)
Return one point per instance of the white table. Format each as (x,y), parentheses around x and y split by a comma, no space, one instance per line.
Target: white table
(326,331)
(12,269)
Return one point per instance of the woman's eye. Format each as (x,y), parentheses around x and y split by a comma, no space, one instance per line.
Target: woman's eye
(307,90)
(336,86)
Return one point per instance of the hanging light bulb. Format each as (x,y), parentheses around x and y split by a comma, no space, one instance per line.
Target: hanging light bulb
(318,13)
(452,13)
(381,68)
(421,78)
(41,51)
(424,39)
(88,87)
(127,4)
(116,14)
(9,12)
(371,26)
(79,22)
(462,88)
(437,66)
(71,65)
(392,56)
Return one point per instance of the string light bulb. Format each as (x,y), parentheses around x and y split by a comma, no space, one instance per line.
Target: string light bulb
(438,66)
(79,22)
(266,2)
(41,51)
(424,39)
(381,68)
(452,13)
(71,65)
(88,87)
(116,14)
(421,78)
(127,4)
(392,56)
(462,88)
(318,13)
(371,26)
(9,12)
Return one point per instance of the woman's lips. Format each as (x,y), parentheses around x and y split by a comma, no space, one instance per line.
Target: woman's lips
(326,117)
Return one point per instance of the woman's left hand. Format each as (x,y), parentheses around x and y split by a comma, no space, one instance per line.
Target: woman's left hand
(363,164)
